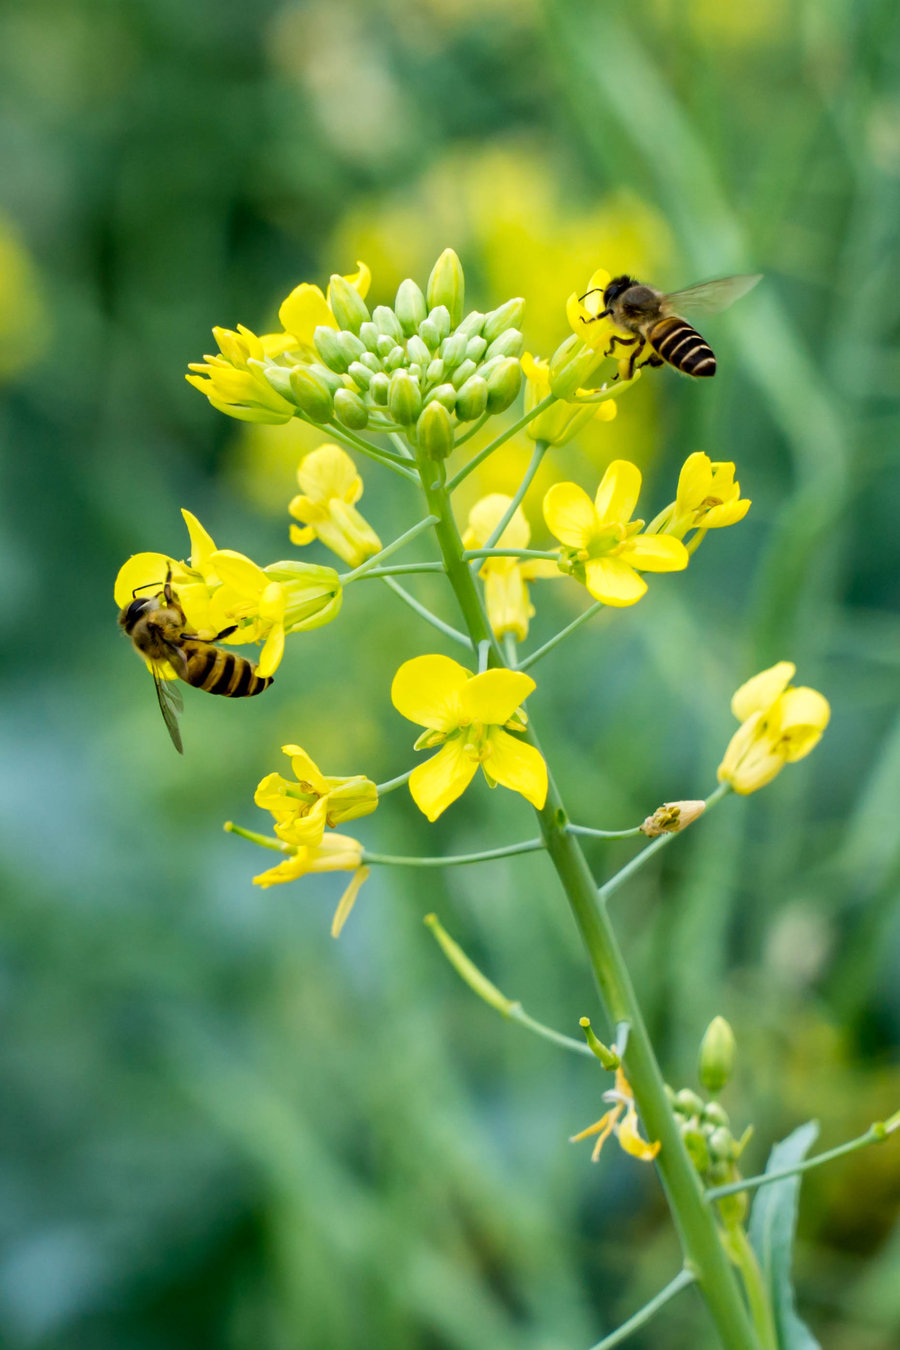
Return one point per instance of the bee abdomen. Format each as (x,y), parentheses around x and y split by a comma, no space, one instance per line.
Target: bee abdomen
(218,671)
(682,346)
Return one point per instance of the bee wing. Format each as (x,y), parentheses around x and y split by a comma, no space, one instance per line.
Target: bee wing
(171,705)
(710,296)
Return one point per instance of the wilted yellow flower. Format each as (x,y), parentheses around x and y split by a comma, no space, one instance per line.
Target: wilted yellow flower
(235,381)
(672,818)
(603,546)
(624,1127)
(330,487)
(505,588)
(707,498)
(562,419)
(304,807)
(470,717)
(780,724)
(335,853)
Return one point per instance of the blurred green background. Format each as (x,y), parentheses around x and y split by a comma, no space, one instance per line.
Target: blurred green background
(221,1128)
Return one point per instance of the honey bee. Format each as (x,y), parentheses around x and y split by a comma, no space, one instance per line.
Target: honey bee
(156,625)
(654,320)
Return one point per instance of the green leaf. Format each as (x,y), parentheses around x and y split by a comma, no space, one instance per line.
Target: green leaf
(773,1223)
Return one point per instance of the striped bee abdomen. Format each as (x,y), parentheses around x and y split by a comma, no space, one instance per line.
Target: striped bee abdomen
(682,346)
(219,671)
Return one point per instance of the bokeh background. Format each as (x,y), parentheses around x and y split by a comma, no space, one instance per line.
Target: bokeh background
(220,1128)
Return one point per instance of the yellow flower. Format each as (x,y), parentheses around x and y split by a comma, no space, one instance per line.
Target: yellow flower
(707,498)
(470,717)
(235,381)
(625,1128)
(505,588)
(562,419)
(603,546)
(307,309)
(304,807)
(335,853)
(582,314)
(779,724)
(326,507)
(267,603)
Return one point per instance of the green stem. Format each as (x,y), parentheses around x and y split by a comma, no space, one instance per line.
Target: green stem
(456,859)
(426,613)
(401,569)
(681,1281)
(696,1224)
(604,834)
(383,788)
(637,862)
(540,450)
(501,440)
(264,840)
(471,553)
(757,1295)
(387,551)
(473,430)
(563,633)
(375,452)
(875,1134)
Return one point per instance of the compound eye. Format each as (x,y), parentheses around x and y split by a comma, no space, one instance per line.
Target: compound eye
(137,608)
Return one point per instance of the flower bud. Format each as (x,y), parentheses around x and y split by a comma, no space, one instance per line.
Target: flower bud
(462,373)
(434,431)
(312,395)
(447,286)
(385,345)
(379,389)
(687,1103)
(417,352)
(717,1051)
(329,378)
(386,322)
(350,346)
(430,334)
(509,315)
(409,306)
(313,593)
(510,343)
(504,383)
(472,324)
(395,359)
(697,1147)
(571,366)
(326,344)
(714,1114)
(440,317)
(453,350)
(722,1145)
(368,335)
(434,371)
(444,393)
(671,817)
(404,399)
(475,348)
(279,377)
(360,374)
(346,304)
(472,399)
(350,410)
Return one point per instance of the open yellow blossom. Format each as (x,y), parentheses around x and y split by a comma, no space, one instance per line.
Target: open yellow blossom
(707,498)
(326,506)
(334,853)
(235,381)
(603,546)
(780,723)
(505,579)
(307,309)
(562,419)
(303,807)
(582,313)
(471,717)
(624,1127)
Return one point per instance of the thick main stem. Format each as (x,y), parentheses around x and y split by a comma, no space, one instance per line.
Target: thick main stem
(704,1253)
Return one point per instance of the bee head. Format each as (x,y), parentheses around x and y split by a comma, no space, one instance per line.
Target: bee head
(130,613)
(618,286)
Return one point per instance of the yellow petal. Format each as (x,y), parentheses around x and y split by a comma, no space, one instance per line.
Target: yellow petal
(305,310)
(238,572)
(202,544)
(289,870)
(729,513)
(427,690)
(751,760)
(570,515)
(142,573)
(487,514)
(438,782)
(360,280)
(329,472)
(655,553)
(802,707)
(613,581)
(336,853)
(272,652)
(348,900)
(493,696)
(631,1141)
(760,692)
(618,492)
(694,482)
(306,831)
(517,765)
(304,769)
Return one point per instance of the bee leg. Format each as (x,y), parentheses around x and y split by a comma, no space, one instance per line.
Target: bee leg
(653,360)
(226,632)
(616,341)
(634,356)
(604,314)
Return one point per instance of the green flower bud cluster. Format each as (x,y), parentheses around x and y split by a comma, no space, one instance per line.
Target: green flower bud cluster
(423,366)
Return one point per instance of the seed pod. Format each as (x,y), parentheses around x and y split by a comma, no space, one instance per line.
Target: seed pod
(475,348)
(430,334)
(347,305)
(444,393)
(350,410)
(417,352)
(386,322)
(453,350)
(716,1055)
(404,399)
(368,335)
(379,389)
(349,345)
(472,399)
(510,343)
(447,285)
(434,431)
(503,383)
(326,344)
(462,373)
(509,315)
(409,306)
(312,395)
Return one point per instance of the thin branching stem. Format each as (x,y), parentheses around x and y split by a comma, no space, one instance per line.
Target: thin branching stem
(500,440)
(400,569)
(457,859)
(425,613)
(875,1134)
(640,859)
(642,1317)
(389,549)
(384,788)
(548,646)
(591,833)
(387,458)
(540,449)
(471,553)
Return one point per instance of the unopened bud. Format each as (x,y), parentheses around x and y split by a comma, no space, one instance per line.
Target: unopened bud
(417,351)
(446,394)
(360,374)
(472,399)
(671,817)
(509,315)
(434,431)
(326,344)
(349,345)
(447,285)
(385,345)
(279,377)
(475,348)
(687,1103)
(430,334)
(717,1051)
(453,350)
(440,317)
(346,304)
(395,359)
(571,366)
(387,323)
(379,389)
(509,343)
(409,306)
(462,373)
(722,1145)
(472,324)
(608,1058)
(504,383)
(715,1114)
(369,335)
(350,410)
(312,395)
(404,399)
(434,371)
(697,1147)
(331,380)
